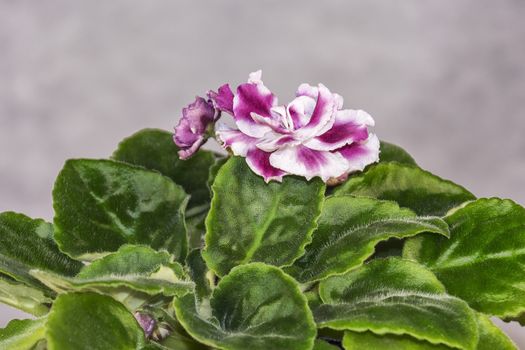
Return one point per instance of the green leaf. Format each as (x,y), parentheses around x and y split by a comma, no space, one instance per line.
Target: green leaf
(369,340)
(255,307)
(139,268)
(395,296)
(154,149)
(348,230)
(250,220)
(393,153)
(23,297)
(22,334)
(199,274)
(408,185)
(491,337)
(483,262)
(93,322)
(323,345)
(101,205)
(27,244)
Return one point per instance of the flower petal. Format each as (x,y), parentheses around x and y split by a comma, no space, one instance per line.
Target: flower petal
(190,132)
(312,92)
(272,141)
(349,126)
(300,110)
(360,154)
(234,139)
(302,161)
(323,115)
(259,162)
(223,99)
(253,97)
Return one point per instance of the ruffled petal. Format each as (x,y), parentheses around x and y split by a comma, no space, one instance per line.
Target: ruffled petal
(259,162)
(272,141)
(185,153)
(349,126)
(360,154)
(223,99)
(323,116)
(300,111)
(302,161)
(234,139)
(253,97)
(312,92)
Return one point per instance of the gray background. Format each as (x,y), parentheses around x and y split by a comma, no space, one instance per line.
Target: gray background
(444,79)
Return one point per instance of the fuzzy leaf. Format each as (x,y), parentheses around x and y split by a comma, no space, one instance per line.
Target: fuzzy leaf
(483,262)
(395,296)
(23,297)
(22,334)
(250,220)
(369,340)
(348,230)
(408,185)
(490,338)
(393,153)
(92,322)
(255,307)
(139,268)
(27,244)
(323,345)
(101,205)
(199,274)
(154,149)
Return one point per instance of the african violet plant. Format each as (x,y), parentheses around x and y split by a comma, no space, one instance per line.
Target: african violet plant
(311,234)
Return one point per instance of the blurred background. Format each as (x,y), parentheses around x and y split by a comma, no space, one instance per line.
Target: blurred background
(443,79)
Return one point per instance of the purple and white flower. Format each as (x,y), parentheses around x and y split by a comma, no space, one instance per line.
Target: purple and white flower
(192,130)
(311,136)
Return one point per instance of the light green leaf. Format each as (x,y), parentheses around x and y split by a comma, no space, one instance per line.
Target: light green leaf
(23,297)
(348,230)
(154,149)
(395,296)
(27,244)
(22,334)
(255,307)
(393,153)
(322,345)
(101,205)
(408,185)
(92,321)
(139,268)
(491,337)
(250,220)
(199,274)
(369,340)
(483,262)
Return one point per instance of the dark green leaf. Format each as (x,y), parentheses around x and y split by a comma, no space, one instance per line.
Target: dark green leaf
(27,244)
(154,149)
(22,334)
(484,260)
(92,322)
(348,230)
(396,296)
(250,220)
(393,153)
(408,185)
(255,307)
(101,205)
